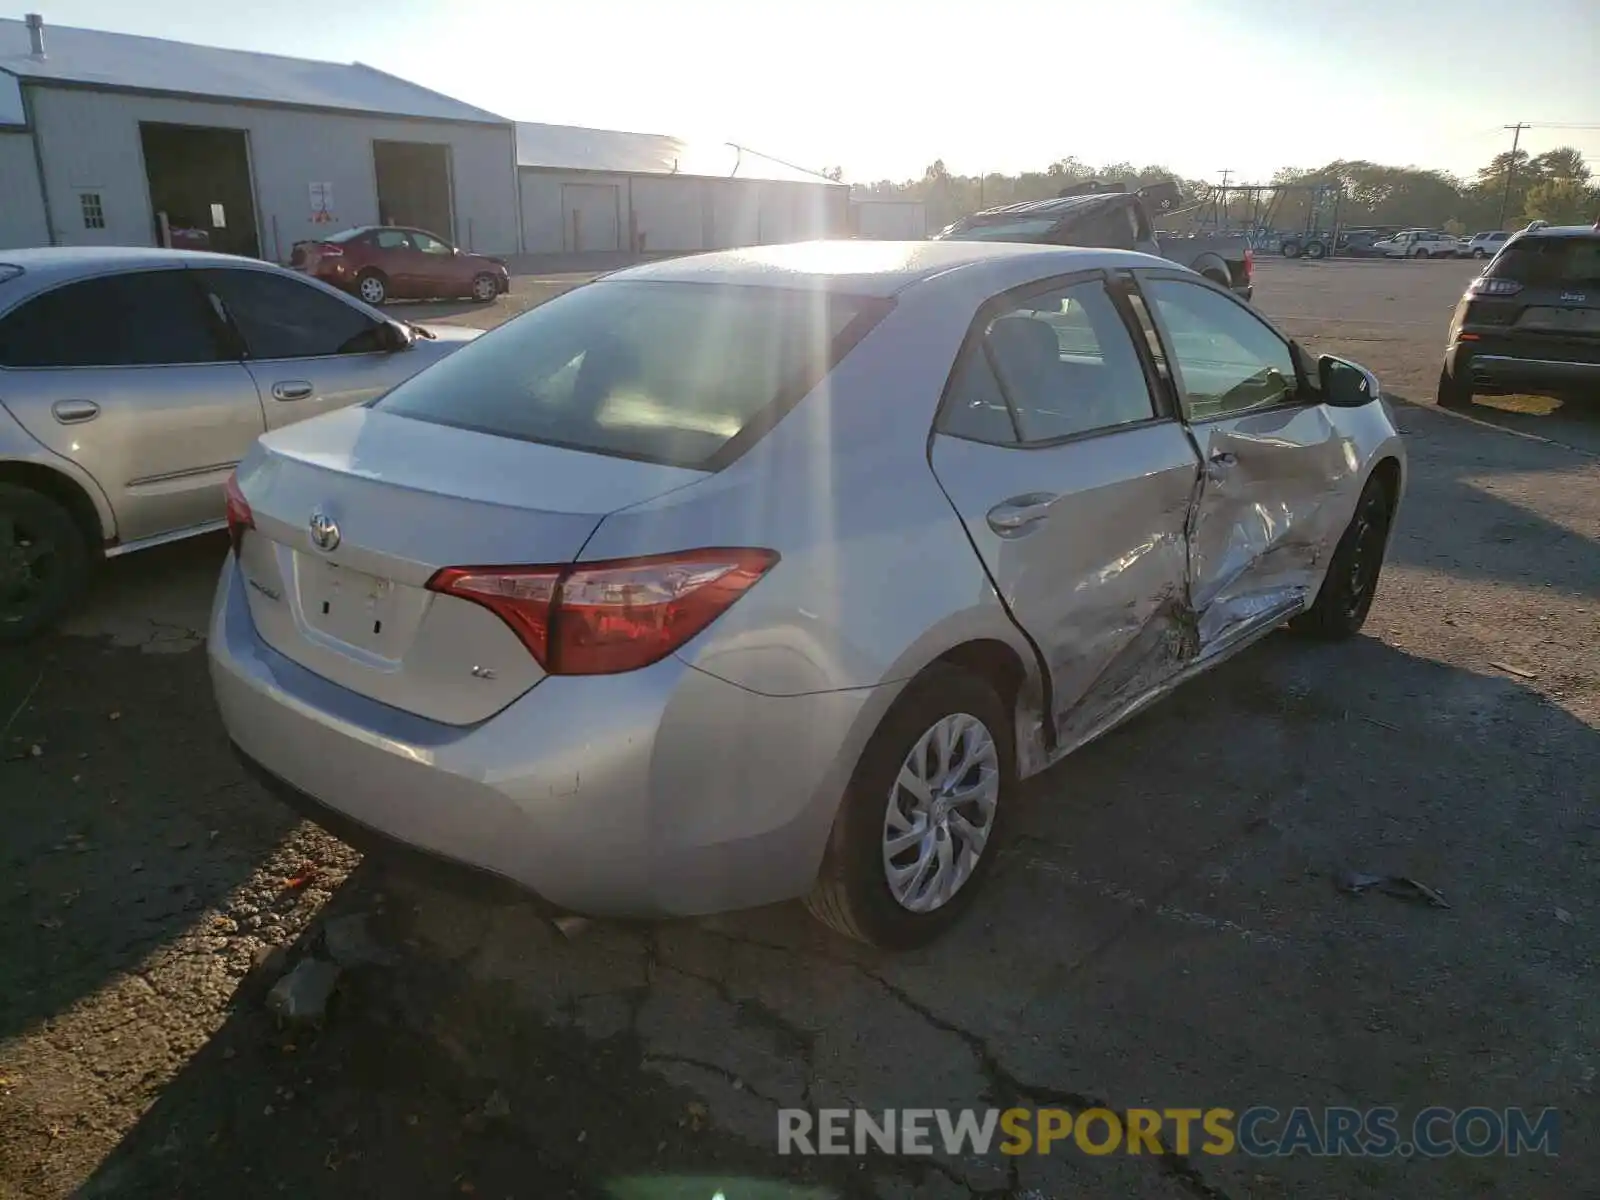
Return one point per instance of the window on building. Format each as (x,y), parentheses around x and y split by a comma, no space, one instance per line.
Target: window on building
(94,213)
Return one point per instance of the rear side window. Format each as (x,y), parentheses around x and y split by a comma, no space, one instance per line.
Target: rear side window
(1550,261)
(665,372)
(140,319)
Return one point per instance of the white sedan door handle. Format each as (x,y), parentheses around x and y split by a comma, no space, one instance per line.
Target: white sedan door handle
(1019,514)
(294,389)
(74,412)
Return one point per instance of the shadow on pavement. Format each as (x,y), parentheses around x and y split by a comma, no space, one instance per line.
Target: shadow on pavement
(1164,925)
(122,824)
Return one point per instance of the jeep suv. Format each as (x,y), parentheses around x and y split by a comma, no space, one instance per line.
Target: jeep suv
(1531,322)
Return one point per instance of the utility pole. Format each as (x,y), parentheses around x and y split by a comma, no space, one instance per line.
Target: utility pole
(1222,204)
(1511,166)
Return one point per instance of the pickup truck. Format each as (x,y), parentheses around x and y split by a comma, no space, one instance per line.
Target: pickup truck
(1109,216)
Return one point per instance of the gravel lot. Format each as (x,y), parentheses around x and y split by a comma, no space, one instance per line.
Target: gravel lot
(1164,928)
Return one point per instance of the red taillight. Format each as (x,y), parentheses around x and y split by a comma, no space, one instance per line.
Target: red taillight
(329,250)
(1485,285)
(1249,264)
(604,617)
(240,517)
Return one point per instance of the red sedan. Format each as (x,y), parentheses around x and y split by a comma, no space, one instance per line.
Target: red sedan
(388,262)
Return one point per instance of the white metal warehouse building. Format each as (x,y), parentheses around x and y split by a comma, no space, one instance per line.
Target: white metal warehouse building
(598,190)
(110,139)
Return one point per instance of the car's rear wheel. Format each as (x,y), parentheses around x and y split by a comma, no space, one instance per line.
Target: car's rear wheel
(1419,254)
(1454,391)
(1290,249)
(915,835)
(1316,250)
(372,287)
(1345,600)
(485,288)
(44,561)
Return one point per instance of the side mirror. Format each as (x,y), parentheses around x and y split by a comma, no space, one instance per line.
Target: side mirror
(1345,384)
(396,336)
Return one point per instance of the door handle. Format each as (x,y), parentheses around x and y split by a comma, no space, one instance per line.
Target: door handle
(1020,513)
(294,389)
(74,412)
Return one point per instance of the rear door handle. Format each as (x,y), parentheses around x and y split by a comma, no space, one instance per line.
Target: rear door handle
(1020,514)
(293,389)
(74,412)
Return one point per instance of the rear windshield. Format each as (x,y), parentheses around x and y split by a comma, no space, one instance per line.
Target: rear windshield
(1550,261)
(665,372)
(345,235)
(1004,231)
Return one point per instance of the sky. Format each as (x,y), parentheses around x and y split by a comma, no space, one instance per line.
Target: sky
(882,88)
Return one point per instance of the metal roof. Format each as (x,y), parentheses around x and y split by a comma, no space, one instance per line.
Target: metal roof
(575,148)
(146,64)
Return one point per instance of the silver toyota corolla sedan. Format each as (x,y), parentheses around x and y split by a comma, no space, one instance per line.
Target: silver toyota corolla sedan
(769,573)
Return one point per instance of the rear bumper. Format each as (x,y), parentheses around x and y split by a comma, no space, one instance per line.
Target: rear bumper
(658,793)
(1510,367)
(1244,290)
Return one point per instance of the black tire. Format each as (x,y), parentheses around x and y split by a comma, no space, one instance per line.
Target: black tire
(44,562)
(1346,596)
(1454,391)
(485,288)
(371,283)
(1316,250)
(851,894)
(1290,249)
(1420,254)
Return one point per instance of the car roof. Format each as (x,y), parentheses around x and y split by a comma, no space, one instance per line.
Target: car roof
(45,268)
(874,268)
(1561,231)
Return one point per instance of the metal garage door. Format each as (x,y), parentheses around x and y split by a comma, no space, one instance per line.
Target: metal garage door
(590,215)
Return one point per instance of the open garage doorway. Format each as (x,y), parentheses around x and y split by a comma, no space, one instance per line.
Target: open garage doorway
(414,186)
(200,193)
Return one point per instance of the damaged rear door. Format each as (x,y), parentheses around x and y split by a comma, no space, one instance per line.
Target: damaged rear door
(1075,488)
(1272,460)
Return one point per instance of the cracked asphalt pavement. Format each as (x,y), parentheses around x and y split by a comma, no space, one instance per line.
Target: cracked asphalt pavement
(1163,930)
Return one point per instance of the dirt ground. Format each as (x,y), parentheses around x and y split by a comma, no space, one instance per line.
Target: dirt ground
(1163,928)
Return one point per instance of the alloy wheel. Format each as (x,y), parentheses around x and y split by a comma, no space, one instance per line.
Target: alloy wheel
(484,288)
(372,290)
(1366,553)
(940,813)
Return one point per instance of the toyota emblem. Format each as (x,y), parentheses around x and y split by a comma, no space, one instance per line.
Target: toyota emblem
(324,530)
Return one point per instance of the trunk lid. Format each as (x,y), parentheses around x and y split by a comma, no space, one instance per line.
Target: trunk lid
(394,500)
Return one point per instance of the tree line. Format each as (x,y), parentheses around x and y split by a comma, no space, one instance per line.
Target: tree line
(1555,186)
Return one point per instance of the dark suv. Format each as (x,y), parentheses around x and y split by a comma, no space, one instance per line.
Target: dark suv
(1531,322)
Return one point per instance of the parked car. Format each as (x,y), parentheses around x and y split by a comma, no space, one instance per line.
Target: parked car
(132,381)
(387,262)
(1418,243)
(714,583)
(1531,322)
(1114,220)
(1486,244)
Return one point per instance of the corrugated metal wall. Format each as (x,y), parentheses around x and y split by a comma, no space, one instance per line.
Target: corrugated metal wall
(21,204)
(674,214)
(91,141)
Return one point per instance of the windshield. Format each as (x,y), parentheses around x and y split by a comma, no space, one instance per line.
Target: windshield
(666,372)
(1004,231)
(1550,261)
